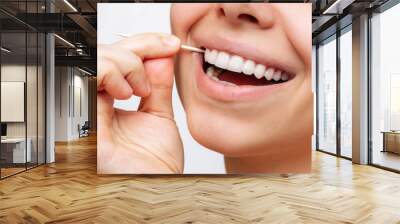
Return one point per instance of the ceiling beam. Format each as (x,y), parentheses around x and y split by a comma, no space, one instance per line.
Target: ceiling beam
(337,7)
(86,27)
(320,22)
(82,61)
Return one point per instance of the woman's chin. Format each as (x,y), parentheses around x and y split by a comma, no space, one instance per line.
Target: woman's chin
(223,141)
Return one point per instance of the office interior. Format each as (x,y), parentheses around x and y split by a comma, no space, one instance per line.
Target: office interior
(356,82)
(48,67)
(48,90)
(48,75)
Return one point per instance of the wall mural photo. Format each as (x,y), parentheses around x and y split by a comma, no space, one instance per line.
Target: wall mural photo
(204,88)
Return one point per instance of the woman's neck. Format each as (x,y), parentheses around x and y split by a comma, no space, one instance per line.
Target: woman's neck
(291,160)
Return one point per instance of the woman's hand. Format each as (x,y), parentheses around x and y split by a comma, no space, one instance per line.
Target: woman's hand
(147,140)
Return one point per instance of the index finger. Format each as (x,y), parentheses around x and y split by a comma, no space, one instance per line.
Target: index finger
(151,45)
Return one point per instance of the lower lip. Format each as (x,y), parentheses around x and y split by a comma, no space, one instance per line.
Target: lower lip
(221,92)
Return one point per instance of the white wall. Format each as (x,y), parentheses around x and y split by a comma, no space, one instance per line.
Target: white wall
(138,18)
(33,127)
(12,73)
(68,82)
(80,85)
(61,104)
(12,101)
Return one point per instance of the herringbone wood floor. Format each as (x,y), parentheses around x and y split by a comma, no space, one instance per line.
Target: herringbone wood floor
(69,191)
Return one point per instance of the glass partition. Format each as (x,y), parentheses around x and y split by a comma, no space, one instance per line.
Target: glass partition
(327,95)
(31,100)
(22,78)
(41,91)
(32,87)
(385,89)
(346,93)
(14,153)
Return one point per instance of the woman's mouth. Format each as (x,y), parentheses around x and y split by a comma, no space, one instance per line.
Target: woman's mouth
(231,78)
(231,70)
(234,70)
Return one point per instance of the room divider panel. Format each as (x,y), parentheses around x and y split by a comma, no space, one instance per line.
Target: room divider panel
(22,77)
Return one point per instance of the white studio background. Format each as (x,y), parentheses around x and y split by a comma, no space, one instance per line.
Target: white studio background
(134,18)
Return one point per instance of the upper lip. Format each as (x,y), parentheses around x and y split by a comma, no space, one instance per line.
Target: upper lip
(245,50)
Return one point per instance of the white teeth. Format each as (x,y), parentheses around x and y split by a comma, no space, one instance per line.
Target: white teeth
(248,67)
(210,56)
(207,55)
(285,77)
(227,83)
(214,78)
(222,60)
(259,71)
(277,75)
(213,71)
(238,64)
(235,64)
(213,56)
(210,71)
(269,73)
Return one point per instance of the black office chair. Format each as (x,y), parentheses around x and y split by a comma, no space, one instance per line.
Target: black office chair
(84,130)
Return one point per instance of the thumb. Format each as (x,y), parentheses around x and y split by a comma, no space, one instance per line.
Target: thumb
(160,74)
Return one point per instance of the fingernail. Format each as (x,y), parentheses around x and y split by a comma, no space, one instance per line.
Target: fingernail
(171,40)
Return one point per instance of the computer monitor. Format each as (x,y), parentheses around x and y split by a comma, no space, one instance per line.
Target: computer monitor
(3,129)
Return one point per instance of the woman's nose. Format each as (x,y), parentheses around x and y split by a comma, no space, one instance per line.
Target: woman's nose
(258,14)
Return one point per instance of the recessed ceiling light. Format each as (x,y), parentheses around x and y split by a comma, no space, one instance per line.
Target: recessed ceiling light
(64,40)
(5,50)
(70,5)
(84,71)
(338,6)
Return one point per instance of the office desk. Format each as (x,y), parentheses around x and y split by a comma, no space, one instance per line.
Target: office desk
(391,141)
(15,148)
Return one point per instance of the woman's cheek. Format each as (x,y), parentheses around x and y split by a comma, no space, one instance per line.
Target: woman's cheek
(297,20)
(185,15)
